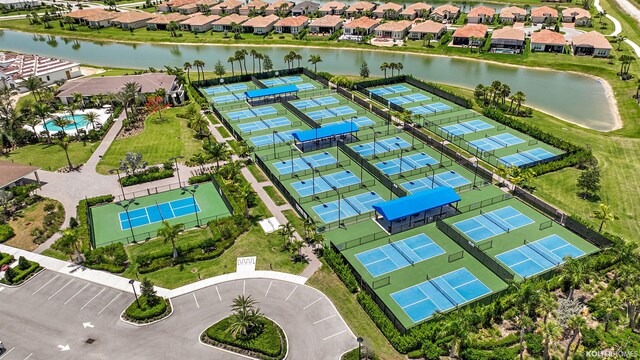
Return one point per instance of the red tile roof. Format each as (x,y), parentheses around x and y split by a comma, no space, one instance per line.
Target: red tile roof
(395,25)
(543,11)
(508,33)
(481,10)
(293,21)
(469,30)
(548,37)
(593,39)
(361,22)
(428,27)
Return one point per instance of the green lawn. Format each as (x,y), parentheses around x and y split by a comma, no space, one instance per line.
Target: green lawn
(257,173)
(274,195)
(159,141)
(51,157)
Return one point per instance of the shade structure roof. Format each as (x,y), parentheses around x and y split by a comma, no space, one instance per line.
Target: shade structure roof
(416,203)
(325,131)
(276,90)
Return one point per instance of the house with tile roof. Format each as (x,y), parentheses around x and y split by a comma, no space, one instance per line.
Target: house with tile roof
(225,23)
(280,8)
(445,12)
(333,8)
(389,11)
(161,22)
(79,16)
(396,30)
(481,15)
(416,10)
(226,7)
(578,16)
(253,7)
(470,35)
(544,14)
(291,25)
(508,40)
(171,6)
(592,43)
(360,8)
(327,24)
(260,24)
(361,26)
(132,20)
(100,19)
(548,41)
(512,14)
(15,67)
(420,30)
(305,8)
(199,23)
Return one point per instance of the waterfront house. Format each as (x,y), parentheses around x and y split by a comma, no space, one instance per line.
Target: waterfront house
(512,14)
(592,43)
(161,22)
(416,10)
(253,7)
(305,8)
(171,6)
(327,24)
(132,20)
(470,35)
(544,14)
(100,19)
(360,8)
(199,23)
(481,15)
(447,13)
(420,30)
(389,11)
(396,30)
(15,67)
(548,41)
(79,16)
(226,23)
(260,25)
(226,7)
(361,26)
(280,8)
(578,16)
(291,25)
(333,8)
(508,40)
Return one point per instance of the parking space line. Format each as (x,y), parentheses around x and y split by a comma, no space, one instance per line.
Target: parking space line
(294,289)
(269,288)
(305,308)
(28,356)
(47,283)
(62,288)
(219,297)
(93,298)
(196,299)
(76,294)
(334,335)
(7,353)
(110,302)
(321,320)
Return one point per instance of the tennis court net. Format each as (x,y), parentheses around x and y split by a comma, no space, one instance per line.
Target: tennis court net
(524,153)
(541,253)
(351,204)
(489,217)
(440,183)
(280,137)
(469,127)
(401,252)
(444,293)
(497,141)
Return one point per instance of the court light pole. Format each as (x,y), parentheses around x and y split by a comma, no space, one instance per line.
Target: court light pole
(117,171)
(175,159)
(134,292)
(125,204)
(359,340)
(433,176)
(339,217)
(273,140)
(193,196)
(401,152)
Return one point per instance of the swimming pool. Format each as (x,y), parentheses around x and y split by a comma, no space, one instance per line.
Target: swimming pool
(78,119)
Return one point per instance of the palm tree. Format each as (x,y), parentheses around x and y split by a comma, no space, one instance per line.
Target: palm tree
(61,122)
(524,323)
(399,67)
(71,109)
(625,61)
(199,64)
(458,326)
(519,98)
(260,58)
(604,214)
(575,324)
(547,304)
(427,39)
(254,54)
(129,94)
(231,170)
(187,66)
(286,231)
(64,144)
(245,53)
(245,316)
(631,298)
(392,66)
(298,57)
(608,302)
(217,151)
(92,118)
(383,67)
(288,59)
(200,125)
(33,84)
(78,99)
(240,57)
(248,195)
(199,159)
(574,273)
(231,60)
(314,60)
(43,112)
(173,28)
(551,332)
(505,91)
(169,233)
(619,39)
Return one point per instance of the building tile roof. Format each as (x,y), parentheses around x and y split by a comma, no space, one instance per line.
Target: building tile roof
(469,30)
(254,4)
(131,17)
(511,11)
(277,4)
(167,18)
(293,21)
(481,10)
(508,33)
(261,21)
(102,16)
(233,18)
(361,6)
(11,172)
(548,37)
(577,12)
(416,8)
(310,5)
(200,20)
(395,25)
(361,22)
(332,5)
(592,39)
(327,21)
(388,6)
(428,27)
(149,82)
(81,14)
(440,10)
(228,4)
(544,11)
(21,66)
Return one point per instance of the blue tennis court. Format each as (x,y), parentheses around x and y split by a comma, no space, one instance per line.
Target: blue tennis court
(400,254)
(156,213)
(496,142)
(322,183)
(390,90)
(305,86)
(309,103)
(275,138)
(526,157)
(347,207)
(381,146)
(410,162)
(304,163)
(540,255)
(227,98)
(361,121)
(251,113)
(490,224)
(440,294)
(430,109)
(467,127)
(331,112)
(409,98)
(447,178)
(282,80)
(264,124)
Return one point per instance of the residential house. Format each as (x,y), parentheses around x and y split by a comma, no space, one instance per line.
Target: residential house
(149,83)
(14,68)
(547,41)
(12,174)
(388,11)
(280,8)
(396,30)
(420,30)
(327,24)
(481,15)
(544,14)
(579,16)
(199,23)
(361,26)
(79,16)
(20,4)
(292,25)
(253,7)
(592,43)
(161,22)
(260,25)
(226,23)
(447,13)
(416,10)
(100,19)
(512,14)
(507,40)
(132,20)
(305,8)
(469,35)
(171,6)
(333,8)
(226,7)
(360,8)
(188,9)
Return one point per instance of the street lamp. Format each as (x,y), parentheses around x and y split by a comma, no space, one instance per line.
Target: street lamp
(125,204)
(117,171)
(175,159)
(193,196)
(134,292)
(359,340)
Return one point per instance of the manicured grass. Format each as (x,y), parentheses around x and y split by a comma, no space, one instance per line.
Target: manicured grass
(223,132)
(268,343)
(146,313)
(55,254)
(51,157)
(274,195)
(23,275)
(29,219)
(257,173)
(213,119)
(359,322)
(159,141)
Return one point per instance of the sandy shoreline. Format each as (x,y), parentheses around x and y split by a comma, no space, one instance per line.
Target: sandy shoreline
(610,95)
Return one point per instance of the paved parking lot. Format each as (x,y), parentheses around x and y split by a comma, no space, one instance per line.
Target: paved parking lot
(56,316)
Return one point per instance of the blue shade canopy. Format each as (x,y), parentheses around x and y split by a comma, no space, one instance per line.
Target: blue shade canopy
(416,203)
(276,90)
(325,131)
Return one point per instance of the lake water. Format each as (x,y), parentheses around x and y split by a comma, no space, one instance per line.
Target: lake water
(576,98)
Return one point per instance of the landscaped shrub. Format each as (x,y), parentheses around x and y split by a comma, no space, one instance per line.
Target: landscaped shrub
(111,258)
(6,259)
(507,341)
(500,353)
(151,174)
(6,232)
(99,200)
(146,313)
(23,263)
(344,273)
(268,344)
(198,179)
(16,276)
(534,344)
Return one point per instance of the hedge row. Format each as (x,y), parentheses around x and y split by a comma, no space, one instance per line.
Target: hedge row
(198,179)
(270,344)
(6,259)
(341,269)
(6,232)
(152,174)
(145,313)
(23,275)
(112,258)
(507,341)
(81,213)
(500,353)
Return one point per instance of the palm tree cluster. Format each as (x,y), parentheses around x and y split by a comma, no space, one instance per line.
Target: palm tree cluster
(246,318)
(393,66)
(496,96)
(291,57)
